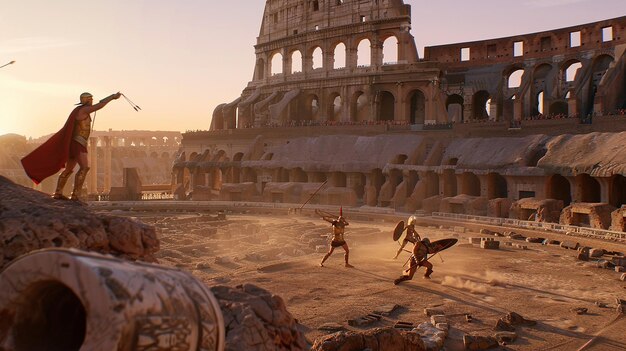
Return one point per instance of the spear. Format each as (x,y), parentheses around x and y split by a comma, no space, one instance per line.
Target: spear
(310,197)
(6,64)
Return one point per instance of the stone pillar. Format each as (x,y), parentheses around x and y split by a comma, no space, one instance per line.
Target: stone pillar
(605,188)
(377,52)
(92,183)
(307,62)
(467,109)
(352,57)
(328,61)
(400,105)
(493,110)
(518,109)
(484,185)
(572,105)
(107,163)
(107,304)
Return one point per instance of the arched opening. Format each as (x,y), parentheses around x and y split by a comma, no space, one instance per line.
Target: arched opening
(454,106)
(539,103)
(339,179)
(277,64)
(399,159)
(559,189)
(296,62)
(312,106)
(334,107)
(559,108)
(496,186)
(390,51)
(514,80)
(417,112)
(339,56)
(49,316)
(358,107)
(571,70)
(617,190)
(387,106)
(479,105)
(298,175)
(318,58)
(282,175)
(364,53)
(238,157)
(589,188)
(449,183)
(470,184)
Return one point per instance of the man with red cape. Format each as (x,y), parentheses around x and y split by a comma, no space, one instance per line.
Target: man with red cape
(66,148)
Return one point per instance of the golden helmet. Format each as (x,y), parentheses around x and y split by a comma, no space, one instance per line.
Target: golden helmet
(411,221)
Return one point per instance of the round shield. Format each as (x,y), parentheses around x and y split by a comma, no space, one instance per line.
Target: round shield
(397,232)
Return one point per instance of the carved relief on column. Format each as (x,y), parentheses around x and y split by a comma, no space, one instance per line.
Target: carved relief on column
(107,163)
(108,304)
(92,182)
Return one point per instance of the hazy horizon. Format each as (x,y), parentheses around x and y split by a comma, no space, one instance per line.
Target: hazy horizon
(178,61)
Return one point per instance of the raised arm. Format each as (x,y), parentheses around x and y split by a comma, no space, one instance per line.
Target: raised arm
(101,104)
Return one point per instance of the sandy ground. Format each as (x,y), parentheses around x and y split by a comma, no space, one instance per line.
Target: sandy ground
(282,254)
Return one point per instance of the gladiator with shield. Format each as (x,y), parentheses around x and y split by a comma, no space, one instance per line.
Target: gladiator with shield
(411,234)
(421,249)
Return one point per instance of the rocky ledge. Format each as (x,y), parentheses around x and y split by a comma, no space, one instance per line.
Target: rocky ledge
(31,220)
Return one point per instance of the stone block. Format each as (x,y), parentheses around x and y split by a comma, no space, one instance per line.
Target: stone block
(433,312)
(584,249)
(490,245)
(535,240)
(581,256)
(439,318)
(571,245)
(619,269)
(472,342)
(486,231)
(505,337)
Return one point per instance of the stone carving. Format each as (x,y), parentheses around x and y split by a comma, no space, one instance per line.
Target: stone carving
(78,300)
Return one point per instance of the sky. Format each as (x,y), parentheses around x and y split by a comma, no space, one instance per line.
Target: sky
(179,59)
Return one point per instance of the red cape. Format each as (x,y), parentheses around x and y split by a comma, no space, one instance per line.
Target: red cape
(51,156)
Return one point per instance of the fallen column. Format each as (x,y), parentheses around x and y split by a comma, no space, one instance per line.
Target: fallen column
(58,299)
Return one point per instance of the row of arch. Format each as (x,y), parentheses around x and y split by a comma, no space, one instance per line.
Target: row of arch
(336,56)
(447,183)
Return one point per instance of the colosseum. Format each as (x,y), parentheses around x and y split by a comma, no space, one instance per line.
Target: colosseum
(527,127)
